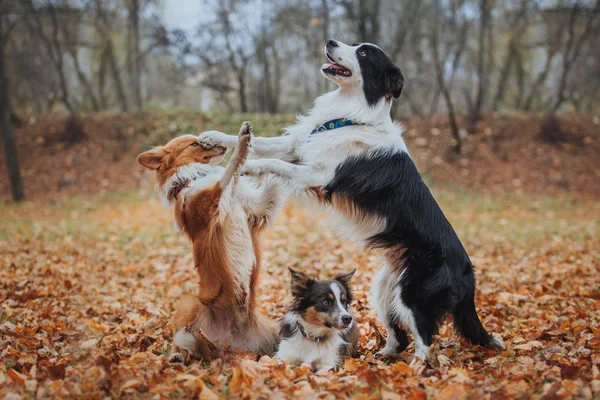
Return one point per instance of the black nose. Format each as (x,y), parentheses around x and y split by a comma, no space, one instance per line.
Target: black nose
(332,43)
(346,319)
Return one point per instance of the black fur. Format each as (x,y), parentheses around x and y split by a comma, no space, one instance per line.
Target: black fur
(287,330)
(381,78)
(438,274)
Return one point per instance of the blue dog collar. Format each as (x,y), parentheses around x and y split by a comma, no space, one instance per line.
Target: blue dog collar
(334,124)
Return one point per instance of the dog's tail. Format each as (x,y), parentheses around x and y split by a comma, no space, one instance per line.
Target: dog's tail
(467,323)
(263,335)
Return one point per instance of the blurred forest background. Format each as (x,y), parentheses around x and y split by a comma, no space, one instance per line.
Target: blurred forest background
(461,59)
(501,109)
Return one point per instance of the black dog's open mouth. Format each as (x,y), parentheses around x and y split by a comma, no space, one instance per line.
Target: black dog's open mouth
(334,68)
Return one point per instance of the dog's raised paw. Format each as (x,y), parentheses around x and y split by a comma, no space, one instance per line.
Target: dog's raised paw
(176,358)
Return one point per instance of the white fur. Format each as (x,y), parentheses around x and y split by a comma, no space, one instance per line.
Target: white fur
(186,341)
(337,293)
(316,158)
(387,301)
(244,199)
(301,350)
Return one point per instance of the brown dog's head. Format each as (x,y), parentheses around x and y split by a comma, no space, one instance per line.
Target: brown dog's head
(184,150)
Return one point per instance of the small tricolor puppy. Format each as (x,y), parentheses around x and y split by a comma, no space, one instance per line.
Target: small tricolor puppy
(222,214)
(318,329)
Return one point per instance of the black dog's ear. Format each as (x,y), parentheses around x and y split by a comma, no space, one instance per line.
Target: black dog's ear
(344,278)
(300,281)
(394,81)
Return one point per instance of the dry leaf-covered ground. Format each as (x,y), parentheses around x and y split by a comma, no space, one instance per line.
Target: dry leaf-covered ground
(87,286)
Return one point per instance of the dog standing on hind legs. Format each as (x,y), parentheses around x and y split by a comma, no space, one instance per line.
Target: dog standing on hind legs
(349,156)
(222,214)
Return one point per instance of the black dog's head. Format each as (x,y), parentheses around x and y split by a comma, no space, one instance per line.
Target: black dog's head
(322,304)
(363,64)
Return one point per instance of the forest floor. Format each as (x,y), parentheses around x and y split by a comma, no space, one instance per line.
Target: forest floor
(90,270)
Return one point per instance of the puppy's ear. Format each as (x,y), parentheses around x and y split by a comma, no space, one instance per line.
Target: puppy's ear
(345,277)
(394,81)
(152,159)
(300,281)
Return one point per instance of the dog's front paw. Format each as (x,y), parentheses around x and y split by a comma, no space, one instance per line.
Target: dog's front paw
(211,139)
(176,358)
(245,135)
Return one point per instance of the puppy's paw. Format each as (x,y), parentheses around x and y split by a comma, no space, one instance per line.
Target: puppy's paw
(176,358)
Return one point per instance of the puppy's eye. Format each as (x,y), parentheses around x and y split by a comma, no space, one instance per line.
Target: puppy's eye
(326,302)
(195,144)
(362,53)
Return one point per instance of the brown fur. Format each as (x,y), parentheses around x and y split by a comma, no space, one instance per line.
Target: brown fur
(314,317)
(218,298)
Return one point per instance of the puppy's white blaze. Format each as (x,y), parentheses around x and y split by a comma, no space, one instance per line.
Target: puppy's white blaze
(185,340)
(337,293)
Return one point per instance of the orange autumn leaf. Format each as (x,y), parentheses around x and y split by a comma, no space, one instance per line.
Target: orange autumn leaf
(402,369)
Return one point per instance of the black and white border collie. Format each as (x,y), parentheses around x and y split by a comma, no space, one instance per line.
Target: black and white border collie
(318,328)
(363,174)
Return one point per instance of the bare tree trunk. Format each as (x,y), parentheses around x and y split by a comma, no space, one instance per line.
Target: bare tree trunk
(439,69)
(105,29)
(116,74)
(136,59)
(520,71)
(539,81)
(572,51)
(102,78)
(241,76)
(10,146)
(366,18)
(475,114)
(54,50)
(504,74)
(83,79)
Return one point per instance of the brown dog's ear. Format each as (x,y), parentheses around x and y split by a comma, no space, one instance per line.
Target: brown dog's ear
(300,281)
(345,277)
(152,159)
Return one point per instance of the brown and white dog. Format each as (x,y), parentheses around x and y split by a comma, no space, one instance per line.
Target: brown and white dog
(222,214)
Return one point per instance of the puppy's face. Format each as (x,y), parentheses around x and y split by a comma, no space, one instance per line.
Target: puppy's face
(365,65)
(179,152)
(322,303)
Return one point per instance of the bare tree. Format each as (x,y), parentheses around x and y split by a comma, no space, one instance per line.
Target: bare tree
(475,105)
(106,29)
(134,55)
(439,68)
(9,18)
(364,15)
(573,47)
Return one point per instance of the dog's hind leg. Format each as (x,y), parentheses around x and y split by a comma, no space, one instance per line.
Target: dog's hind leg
(383,293)
(188,337)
